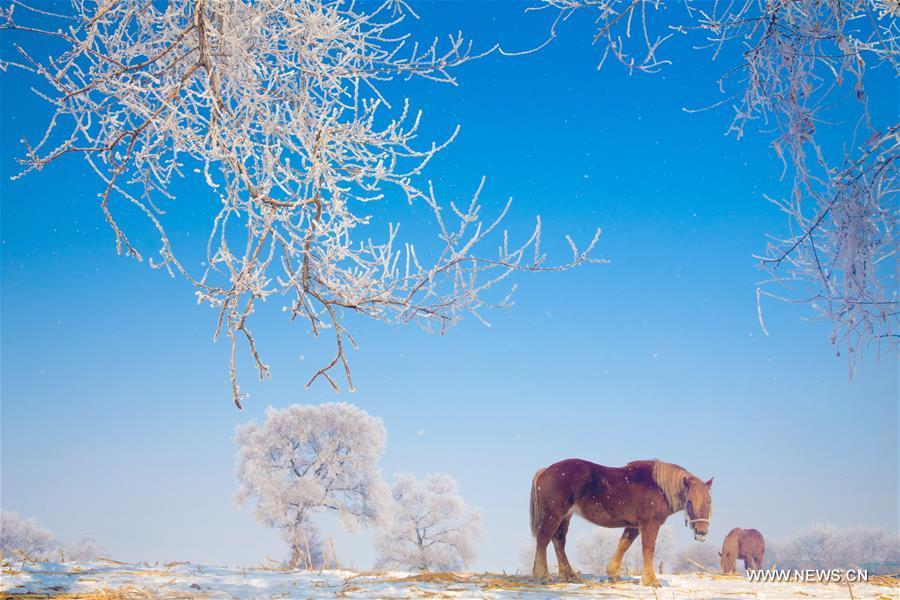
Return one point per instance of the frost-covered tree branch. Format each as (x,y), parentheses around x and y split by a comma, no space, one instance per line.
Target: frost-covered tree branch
(838,254)
(802,71)
(277,108)
(625,31)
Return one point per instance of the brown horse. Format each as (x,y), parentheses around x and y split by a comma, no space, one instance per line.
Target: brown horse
(639,497)
(745,544)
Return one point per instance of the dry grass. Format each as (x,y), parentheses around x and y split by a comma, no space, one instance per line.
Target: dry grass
(437,577)
(886,580)
(127,592)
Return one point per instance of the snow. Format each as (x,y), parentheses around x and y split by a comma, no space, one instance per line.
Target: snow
(190,580)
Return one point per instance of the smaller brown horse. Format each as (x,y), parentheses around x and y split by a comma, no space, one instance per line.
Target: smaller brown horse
(745,544)
(639,497)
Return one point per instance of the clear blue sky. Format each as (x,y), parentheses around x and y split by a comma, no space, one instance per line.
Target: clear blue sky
(116,415)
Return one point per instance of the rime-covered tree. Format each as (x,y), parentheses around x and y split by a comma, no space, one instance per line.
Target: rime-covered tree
(830,547)
(798,74)
(697,557)
(431,528)
(83,549)
(25,538)
(305,460)
(18,535)
(281,109)
(594,551)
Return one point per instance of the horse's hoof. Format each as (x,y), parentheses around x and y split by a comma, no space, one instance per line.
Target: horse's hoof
(571,577)
(651,582)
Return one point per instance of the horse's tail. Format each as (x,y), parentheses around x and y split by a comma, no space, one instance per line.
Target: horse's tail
(536,511)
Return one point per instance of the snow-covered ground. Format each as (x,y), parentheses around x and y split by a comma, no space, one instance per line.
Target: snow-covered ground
(109,580)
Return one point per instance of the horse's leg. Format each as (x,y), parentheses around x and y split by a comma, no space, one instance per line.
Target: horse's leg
(559,544)
(649,530)
(628,536)
(548,527)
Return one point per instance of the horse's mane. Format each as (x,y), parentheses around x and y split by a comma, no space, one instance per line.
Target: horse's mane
(670,479)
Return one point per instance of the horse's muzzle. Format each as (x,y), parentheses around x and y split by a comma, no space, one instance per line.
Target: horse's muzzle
(700,537)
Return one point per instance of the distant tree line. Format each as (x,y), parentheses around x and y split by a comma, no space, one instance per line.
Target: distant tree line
(820,547)
(25,539)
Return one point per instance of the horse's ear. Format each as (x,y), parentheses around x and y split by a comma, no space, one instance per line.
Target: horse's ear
(709,483)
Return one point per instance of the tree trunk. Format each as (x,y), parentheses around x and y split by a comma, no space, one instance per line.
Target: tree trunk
(296,555)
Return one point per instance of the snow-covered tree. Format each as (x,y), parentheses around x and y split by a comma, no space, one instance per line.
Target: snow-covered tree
(305,460)
(18,535)
(281,109)
(829,547)
(25,538)
(798,73)
(84,549)
(431,527)
(594,551)
(696,557)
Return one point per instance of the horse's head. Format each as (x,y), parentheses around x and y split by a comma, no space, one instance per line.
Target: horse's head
(697,506)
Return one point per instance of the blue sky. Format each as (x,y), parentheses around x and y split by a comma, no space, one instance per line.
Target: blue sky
(116,410)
